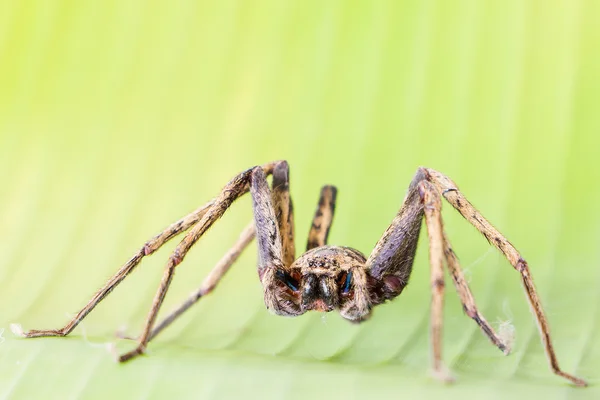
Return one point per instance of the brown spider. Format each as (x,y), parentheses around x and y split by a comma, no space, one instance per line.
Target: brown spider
(326,277)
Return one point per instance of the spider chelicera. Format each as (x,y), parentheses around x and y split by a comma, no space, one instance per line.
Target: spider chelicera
(327,277)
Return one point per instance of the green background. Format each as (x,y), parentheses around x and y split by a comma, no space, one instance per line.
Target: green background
(118,117)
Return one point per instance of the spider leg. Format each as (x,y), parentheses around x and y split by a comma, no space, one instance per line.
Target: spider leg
(281,200)
(466,297)
(432,205)
(149,247)
(450,191)
(270,257)
(210,282)
(390,262)
(284,210)
(323,218)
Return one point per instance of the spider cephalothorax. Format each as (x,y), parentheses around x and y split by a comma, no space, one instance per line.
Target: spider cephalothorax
(327,278)
(322,279)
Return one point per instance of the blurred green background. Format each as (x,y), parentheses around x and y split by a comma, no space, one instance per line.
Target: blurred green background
(118,117)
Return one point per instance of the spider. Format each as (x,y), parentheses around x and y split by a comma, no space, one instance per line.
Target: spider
(326,277)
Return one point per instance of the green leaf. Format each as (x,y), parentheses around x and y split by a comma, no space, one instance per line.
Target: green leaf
(117,118)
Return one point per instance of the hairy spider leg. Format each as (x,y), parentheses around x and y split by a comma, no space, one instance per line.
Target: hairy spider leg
(282,207)
(284,210)
(391,260)
(148,248)
(390,263)
(432,206)
(267,232)
(450,191)
(439,248)
(208,284)
(321,223)
(467,299)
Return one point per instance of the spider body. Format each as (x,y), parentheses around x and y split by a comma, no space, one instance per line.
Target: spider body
(326,278)
(321,279)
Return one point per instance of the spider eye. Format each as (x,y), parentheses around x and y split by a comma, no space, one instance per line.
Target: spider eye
(345,281)
(287,279)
